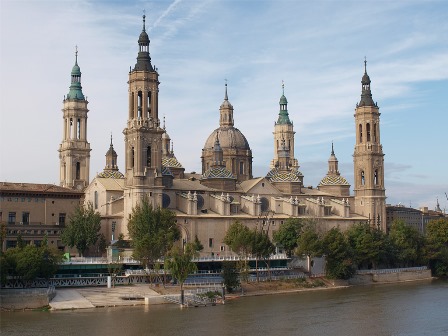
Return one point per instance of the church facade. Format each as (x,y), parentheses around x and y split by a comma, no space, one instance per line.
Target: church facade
(206,204)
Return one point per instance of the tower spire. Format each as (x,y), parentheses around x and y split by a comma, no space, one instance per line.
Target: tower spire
(225,94)
(332,149)
(366,94)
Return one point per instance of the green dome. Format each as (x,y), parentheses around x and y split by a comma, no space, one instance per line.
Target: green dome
(283,100)
(76,70)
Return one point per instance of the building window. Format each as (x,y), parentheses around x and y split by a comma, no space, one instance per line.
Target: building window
(78,171)
(360,133)
(368,132)
(11,218)
(210,242)
(62,218)
(363,180)
(25,217)
(132,157)
(374,132)
(375,177)
(223,248)
(95,200)
(241,167)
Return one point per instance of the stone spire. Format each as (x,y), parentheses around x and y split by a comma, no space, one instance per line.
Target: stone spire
(111,157)
(366,94)
(75,85)
(143,58)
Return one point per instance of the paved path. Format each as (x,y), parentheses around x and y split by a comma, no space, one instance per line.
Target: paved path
(69,299)
(90,297)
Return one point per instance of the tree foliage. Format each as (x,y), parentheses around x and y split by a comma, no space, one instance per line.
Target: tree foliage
(407,243)
(180,262)
(153,232)
(29,262)
(338,255)
(82,230)
(309,243)
(436,242)
(239,239)
(197,244)
(368,245)
(288,234)
(230,275)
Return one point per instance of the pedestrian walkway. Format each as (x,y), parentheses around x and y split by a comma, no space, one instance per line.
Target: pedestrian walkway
(69,299)
(91,297)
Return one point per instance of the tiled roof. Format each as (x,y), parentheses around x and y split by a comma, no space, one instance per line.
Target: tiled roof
(293,175)
(171,162)
(333,180)
(218,172)
(111,174)
(111,184)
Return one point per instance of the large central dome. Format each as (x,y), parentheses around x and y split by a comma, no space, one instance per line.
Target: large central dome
(237,155)
(229,138)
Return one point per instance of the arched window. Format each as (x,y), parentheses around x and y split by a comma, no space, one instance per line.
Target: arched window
(95,200)
(78,171)
(132,157)
(363,180)
(374,132)
(375,177)
(368,132)
(139,105)
(149,104)
(241,167)
(360,133)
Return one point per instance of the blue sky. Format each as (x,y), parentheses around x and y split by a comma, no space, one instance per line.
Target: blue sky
(316,47)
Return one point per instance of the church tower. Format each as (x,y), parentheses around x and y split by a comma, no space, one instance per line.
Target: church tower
(74,150)
(370,194)
(143,134)
(284,131)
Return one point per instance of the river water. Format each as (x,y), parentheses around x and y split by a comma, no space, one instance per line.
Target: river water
(418,308)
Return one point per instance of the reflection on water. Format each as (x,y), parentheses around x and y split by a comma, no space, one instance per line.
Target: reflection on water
(419,308)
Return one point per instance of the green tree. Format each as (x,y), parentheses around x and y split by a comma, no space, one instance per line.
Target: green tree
(338,255)
(230,275)
(407,243)
(180,263)
(152,231)
(288,234)
(437,246)
(367,244)
(240,240)
(197,244)
(31,262)
(82,229)
(309,243)
(262,248)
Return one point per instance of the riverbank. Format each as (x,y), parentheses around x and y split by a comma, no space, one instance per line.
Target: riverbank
(141,294)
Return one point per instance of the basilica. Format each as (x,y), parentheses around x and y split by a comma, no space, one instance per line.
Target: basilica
(206,204)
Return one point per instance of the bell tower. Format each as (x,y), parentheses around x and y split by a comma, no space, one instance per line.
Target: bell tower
(284,134)
(143,134)
(74,150)
(370,194)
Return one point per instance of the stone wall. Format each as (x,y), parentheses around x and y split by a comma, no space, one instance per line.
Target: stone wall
(390,277)
(14,299)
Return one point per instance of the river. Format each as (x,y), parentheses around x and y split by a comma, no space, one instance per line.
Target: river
(417,308)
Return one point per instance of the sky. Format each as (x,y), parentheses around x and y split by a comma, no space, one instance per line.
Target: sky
(316,47)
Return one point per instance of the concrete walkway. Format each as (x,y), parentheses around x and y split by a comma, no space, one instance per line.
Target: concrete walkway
(69,299)
(91,297)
